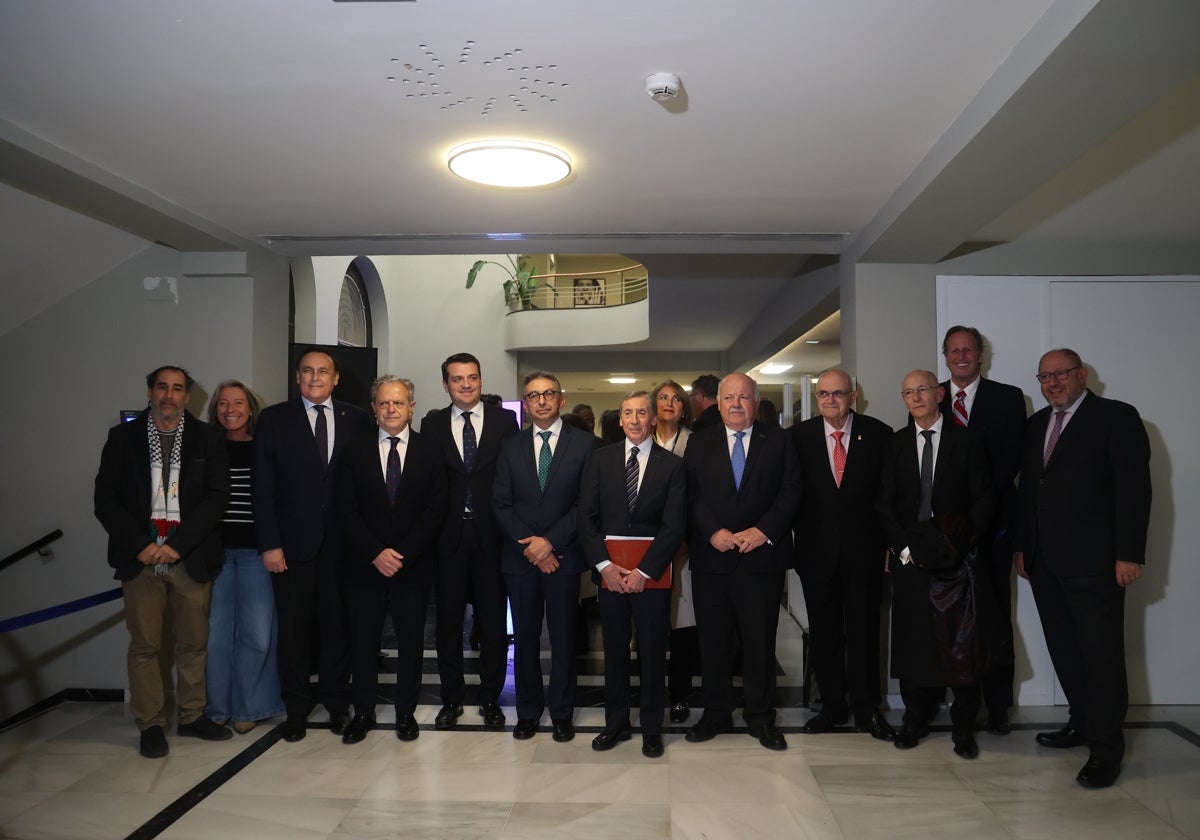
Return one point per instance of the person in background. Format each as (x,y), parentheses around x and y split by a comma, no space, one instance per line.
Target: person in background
(610,427)
(704,402)
(243,677)
(767,413)
(673,409)
(586,416)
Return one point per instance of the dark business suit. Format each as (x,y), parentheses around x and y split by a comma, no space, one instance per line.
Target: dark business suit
(962,490)
(409,526)
(659,511)
(734,590)
(469,554)
(997,416)
(295,508)
(840,551)
(1080,513)
(523,510)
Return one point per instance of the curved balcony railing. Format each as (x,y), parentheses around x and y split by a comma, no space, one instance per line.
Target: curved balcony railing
(586,289)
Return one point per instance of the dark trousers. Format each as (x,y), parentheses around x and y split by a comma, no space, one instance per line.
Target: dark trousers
(470,572)
(534,595)
(368,607)
(310,604)
(748,604)
(683,664)
(650,612)
(843,617)
(1083,619)
(921,704)
(998,683)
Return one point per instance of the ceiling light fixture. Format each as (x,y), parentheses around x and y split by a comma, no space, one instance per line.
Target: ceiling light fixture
(812,341)
(771,370)
(509,163)
(622,380)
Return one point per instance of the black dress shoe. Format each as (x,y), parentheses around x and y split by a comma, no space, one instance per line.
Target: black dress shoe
(680,712)
(338,721)
(406,728)
(964,744)
(293,728)
(357,729)
(153,743)
(769,736)
(997,723)
(525,729)
(493,715)
(564,730)
(205,729)
(909,736)
(1068,736)
(706,729)
(1098,773)
(652,746)
(877,727)
(609,738)
(824,721)
(448,716)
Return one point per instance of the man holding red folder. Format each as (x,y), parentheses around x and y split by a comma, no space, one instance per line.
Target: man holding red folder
(633,489)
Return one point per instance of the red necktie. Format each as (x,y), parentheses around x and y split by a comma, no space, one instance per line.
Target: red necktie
(839,457)
(960,408)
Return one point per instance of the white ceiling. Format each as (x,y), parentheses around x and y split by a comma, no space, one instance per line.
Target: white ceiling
(878,129)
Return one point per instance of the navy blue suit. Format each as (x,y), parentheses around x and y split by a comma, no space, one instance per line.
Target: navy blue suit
(295,508)
(733,589)
(523,510)
(409,525)
(469,555)
(1080,513)
(659,511)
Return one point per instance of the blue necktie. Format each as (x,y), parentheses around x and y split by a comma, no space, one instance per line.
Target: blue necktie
(739,459)
(544,459)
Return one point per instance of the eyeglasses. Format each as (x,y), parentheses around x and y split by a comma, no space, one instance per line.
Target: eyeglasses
(1060,375)
(534,396)
(837,395)
(666,398)
(920,389)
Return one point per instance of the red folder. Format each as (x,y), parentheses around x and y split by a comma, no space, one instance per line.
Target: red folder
(627,552)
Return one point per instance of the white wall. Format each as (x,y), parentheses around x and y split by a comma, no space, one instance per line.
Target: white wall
(73,366)
(1136,335)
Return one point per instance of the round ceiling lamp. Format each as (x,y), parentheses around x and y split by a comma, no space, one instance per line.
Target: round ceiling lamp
(509,163)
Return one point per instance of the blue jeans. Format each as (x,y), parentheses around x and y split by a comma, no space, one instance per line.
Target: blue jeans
(243,679)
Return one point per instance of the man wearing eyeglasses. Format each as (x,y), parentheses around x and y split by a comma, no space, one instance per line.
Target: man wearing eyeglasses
(1085,512)
(536,500)
(995,412)
(936,501)
(840,553)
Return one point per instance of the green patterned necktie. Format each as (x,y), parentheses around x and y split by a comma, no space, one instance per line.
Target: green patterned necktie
(544,459)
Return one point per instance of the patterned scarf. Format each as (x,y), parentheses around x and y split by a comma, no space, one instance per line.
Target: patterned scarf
(164,489)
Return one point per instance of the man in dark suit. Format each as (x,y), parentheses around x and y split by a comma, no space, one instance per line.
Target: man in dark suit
(633,489)
(467,434)
(297,446)
(840,552)
(704,402)
(160,494)
(743,490)
(936,498)
(995,412)
(1085,512)
(392,502)
(536,499)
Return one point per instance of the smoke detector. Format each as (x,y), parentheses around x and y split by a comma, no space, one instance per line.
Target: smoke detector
(662,87)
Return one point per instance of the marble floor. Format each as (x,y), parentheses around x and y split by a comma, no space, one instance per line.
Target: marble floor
(74,772)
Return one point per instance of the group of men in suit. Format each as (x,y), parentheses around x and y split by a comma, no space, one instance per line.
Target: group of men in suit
(354,524)
(951,516)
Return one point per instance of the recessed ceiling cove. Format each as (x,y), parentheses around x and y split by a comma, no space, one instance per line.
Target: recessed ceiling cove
(475,77)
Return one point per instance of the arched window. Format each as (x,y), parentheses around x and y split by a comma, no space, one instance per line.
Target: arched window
(354,311)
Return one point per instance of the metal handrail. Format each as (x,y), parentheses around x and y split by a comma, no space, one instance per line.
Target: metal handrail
(32,547)
(612,289)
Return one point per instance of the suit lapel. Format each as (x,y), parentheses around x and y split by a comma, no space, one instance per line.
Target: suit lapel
(564,444)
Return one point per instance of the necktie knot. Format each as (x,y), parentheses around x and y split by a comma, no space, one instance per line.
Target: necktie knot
(394,441)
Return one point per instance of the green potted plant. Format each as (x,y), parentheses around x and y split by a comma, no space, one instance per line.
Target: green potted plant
(521,282)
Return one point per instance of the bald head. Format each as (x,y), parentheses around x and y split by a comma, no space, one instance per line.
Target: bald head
(922,394)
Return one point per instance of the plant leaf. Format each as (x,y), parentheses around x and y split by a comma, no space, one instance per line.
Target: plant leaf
(474,272)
